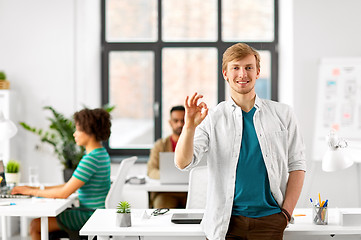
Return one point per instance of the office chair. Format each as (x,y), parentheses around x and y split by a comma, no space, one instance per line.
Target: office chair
(197,188)
(111,201)
(116,189)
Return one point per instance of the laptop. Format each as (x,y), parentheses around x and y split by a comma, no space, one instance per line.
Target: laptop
(187,218)
(169,173)
(4,188)
(2,176)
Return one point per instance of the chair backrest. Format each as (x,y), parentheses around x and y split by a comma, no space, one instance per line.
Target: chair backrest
(116,189)
(197,188)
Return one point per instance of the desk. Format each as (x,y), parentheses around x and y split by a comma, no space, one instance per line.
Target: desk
(102,225)
(138,194)
(154,185)
(34,207)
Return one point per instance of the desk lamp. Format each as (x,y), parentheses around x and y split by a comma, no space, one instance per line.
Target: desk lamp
(335,157)
(7,128)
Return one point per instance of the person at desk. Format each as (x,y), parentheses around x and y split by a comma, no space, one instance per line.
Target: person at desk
(167,199)
(255,155)
(91,177)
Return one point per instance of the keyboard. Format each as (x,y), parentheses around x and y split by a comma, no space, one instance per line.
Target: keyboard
(14,196)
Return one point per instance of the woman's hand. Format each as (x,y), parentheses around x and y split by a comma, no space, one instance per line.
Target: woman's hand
(24,190)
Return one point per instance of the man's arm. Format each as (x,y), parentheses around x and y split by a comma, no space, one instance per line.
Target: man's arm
(193,117)
(293,190)
(153,162)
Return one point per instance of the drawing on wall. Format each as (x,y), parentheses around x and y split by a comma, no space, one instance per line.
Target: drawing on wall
(338,103)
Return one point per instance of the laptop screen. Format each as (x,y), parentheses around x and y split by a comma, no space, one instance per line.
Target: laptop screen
(2,174)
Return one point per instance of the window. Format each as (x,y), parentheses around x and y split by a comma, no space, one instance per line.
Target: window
(156,52)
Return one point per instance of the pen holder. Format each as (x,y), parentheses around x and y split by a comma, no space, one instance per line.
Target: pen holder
(320,215)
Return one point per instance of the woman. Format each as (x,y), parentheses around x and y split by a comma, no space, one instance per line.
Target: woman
(91,177)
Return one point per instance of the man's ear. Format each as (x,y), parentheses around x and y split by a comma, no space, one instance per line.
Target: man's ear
(258,72)
(224,72)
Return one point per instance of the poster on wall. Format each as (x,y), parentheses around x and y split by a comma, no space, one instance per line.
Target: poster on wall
(339,105)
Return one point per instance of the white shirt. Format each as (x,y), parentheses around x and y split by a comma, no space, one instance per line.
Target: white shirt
(218,139)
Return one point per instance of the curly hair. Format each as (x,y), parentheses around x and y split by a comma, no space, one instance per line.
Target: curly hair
(94,122)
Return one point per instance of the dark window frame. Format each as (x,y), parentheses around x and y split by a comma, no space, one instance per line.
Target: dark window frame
(156,47)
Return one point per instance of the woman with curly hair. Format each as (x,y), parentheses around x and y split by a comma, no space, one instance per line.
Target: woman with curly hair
(91,177)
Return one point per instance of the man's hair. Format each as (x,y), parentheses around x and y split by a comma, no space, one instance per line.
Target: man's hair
(94,122)
(177,108)
(239,51)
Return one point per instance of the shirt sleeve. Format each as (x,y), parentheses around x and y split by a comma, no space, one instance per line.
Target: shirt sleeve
(86,168)
(153,162)
(296,147)
(200,142)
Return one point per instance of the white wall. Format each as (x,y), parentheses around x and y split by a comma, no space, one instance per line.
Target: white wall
(50,52)
(322,28)
(49,58)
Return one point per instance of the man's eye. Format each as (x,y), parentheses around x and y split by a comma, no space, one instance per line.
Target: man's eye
(249,68)
(235,68)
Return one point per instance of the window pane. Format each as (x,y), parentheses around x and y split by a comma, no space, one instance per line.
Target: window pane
(131,21)
(248,20)
(185,71)
(131,88)
(189,20)
(263,83)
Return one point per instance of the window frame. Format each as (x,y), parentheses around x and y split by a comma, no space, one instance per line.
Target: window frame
(156,47)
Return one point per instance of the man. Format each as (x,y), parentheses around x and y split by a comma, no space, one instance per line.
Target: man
(167,199)
(254,151)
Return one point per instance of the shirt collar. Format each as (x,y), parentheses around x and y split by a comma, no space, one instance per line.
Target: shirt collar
(233,105)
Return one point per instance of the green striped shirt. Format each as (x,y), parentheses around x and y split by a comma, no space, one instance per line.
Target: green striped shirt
(94,170)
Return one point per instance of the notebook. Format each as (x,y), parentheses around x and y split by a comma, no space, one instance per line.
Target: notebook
(169,173)
(187,218)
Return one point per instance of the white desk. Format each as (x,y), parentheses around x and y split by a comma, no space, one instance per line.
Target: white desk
(138,194)
(102,225)
(303,225)
(34,207)
(154,185)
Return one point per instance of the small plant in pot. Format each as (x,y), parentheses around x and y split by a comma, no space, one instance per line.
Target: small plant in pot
(13,172)
(4,84)
(123,218)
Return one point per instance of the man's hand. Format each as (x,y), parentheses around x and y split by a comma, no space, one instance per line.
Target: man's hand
(195,113)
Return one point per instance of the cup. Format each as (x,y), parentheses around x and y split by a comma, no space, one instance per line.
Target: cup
(320,215)
(34,176)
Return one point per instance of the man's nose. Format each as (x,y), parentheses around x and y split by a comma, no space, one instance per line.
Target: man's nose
(242,72)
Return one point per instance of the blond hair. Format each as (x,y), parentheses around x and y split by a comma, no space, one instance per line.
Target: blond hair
(239,51)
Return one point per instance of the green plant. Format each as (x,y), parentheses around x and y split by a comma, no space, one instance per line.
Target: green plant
(2,76)
(12,166)
(123,207)
(60,136)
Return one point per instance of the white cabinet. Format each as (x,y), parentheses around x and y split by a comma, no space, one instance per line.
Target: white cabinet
(5,109)
(7,151)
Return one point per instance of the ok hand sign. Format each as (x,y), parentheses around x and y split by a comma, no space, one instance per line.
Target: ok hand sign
(195,113)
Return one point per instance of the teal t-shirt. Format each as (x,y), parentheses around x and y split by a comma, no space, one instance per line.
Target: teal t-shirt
(94,170)
(252,194)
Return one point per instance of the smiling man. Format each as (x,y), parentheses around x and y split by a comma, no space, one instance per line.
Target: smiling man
(254,151)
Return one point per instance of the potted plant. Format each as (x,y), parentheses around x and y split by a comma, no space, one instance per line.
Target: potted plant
(4,84)
(123,218)
(12,172)
(60,137)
